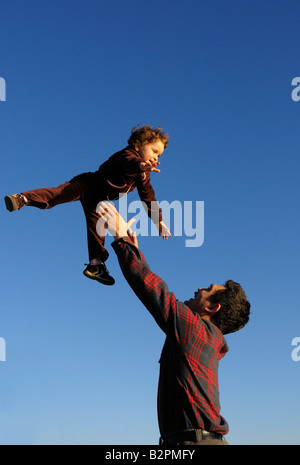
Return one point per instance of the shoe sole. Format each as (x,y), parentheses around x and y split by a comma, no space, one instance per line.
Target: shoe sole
(107,283)
(10,205)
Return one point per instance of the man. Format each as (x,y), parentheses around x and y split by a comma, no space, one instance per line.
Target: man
(188,395)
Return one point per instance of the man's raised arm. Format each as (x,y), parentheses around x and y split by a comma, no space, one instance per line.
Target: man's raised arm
(173,317)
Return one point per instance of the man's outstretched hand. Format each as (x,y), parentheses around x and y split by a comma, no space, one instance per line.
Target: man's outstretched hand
(115,223)
(118,227)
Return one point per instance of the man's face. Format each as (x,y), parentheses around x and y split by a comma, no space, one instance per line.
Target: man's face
(201,301)
(151,151)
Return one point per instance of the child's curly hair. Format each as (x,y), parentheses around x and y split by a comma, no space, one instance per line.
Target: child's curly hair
(146,134)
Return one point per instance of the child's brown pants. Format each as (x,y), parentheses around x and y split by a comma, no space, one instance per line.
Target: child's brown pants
(47,198)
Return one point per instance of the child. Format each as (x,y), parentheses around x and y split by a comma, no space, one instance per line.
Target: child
(120,174)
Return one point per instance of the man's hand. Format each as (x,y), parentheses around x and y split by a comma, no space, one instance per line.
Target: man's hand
(114,222)
(150,165)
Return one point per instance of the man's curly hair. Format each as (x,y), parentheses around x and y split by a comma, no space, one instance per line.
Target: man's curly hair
(146,134)
(235,308)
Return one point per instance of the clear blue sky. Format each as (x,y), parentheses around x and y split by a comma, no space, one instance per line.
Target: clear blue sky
(82,359)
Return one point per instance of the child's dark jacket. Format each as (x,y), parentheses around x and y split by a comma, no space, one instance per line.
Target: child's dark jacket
(119,175)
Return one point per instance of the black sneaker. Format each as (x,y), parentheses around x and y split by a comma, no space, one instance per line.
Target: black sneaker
(99,273)
(14,202)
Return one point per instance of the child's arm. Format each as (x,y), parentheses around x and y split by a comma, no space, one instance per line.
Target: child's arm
(129,162)
(163,230)
(147,196)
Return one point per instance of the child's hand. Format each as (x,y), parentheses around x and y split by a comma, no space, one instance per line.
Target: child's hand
(163,230)
(150,165)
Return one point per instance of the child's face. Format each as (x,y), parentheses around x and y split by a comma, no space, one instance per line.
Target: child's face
(150,151)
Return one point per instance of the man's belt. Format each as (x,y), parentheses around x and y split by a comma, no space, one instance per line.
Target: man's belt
(189,435)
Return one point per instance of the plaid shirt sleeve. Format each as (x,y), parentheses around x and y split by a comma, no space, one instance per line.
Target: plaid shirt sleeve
(172,316)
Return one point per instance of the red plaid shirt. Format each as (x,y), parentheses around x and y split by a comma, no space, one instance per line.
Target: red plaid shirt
(188,395)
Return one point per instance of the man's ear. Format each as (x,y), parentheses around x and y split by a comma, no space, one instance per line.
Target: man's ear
(212,309)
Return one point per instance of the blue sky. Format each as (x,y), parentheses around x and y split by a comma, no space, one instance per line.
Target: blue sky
(82,359)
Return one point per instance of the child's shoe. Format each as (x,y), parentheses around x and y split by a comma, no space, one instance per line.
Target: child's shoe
(99,273)
(14,202)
